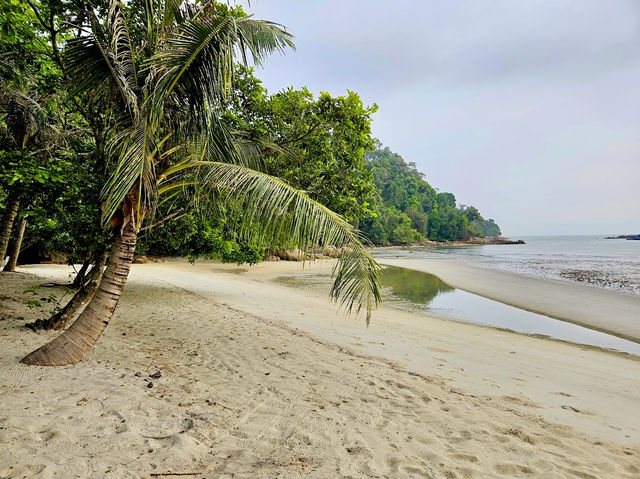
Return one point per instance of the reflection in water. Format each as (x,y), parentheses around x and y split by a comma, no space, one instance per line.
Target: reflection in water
(414,286)
(611,264)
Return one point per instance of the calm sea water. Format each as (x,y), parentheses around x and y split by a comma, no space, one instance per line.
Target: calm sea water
(606,263)
(594,260)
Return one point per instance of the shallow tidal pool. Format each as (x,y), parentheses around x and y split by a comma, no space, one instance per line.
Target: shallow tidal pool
(426,294)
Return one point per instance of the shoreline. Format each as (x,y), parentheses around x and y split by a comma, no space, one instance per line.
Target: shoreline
(476,241)
(394,335)
(405,306)
(600,309)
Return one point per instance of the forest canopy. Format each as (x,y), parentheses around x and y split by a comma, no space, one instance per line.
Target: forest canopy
(407,209)
(324,146)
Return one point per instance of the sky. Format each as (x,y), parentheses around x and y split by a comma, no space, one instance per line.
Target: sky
(528,110)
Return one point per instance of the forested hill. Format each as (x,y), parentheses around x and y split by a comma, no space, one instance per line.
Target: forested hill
(407,209)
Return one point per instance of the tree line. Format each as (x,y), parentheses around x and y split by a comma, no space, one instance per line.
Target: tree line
(326,149)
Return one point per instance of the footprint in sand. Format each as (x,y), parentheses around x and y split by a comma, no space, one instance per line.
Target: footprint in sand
(512,469)
(521,401)
(524,437)
(466,457)
(586,412)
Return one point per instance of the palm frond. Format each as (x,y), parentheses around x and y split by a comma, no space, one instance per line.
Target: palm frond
(253,148)
(103,61)
(135,149)
(171,12)
(86,67)
(284,211)
(262,37)
(25,120)
(199,55)
(121,47)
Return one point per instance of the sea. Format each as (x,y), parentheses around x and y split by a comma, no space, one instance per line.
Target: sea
(593,260)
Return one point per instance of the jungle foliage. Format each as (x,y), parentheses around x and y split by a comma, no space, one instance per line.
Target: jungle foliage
(149,86)
(407,209)
(138,127)
(323,146)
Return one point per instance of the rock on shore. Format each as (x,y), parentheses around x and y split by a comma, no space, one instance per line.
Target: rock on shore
(627,237)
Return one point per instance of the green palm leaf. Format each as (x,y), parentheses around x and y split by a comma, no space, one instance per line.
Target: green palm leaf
(135,149)
(104,60)
(199,54)
(176,114)
(284,211)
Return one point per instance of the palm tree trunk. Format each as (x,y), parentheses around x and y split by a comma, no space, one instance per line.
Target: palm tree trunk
(79,280)
(8,217)
(62,318)
(13,259)
(74,344)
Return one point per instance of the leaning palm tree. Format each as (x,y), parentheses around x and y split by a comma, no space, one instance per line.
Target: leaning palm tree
(166,71)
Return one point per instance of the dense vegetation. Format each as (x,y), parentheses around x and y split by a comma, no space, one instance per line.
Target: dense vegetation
(324,147)
(407,209)
(137,127)
(316,145)
(120,117)
(54,162)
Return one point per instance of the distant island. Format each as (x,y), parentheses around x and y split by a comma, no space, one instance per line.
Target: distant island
(627,237)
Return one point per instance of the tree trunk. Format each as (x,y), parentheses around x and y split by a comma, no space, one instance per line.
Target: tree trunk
(9,215)
(13,259)
(62,318)
(79,280)
(74,344)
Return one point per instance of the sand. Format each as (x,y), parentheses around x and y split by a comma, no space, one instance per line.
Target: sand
(261,380)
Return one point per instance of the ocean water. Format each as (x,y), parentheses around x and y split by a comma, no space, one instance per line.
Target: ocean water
(593,260)
(605,263)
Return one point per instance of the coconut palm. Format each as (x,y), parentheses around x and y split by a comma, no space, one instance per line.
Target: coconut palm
(166,70)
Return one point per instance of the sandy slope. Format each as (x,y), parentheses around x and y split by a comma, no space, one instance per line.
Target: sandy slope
(249,395)
(608,311)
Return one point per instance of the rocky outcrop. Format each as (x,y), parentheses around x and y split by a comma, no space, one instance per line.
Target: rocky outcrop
(299,255)
(491,240)
(627,237)
(470,241)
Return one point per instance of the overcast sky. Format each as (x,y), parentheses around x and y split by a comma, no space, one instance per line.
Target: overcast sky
(529,110)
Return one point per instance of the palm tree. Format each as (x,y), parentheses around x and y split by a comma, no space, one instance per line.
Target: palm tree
(166,71)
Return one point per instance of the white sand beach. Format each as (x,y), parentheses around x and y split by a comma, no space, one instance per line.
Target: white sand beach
(256,379)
